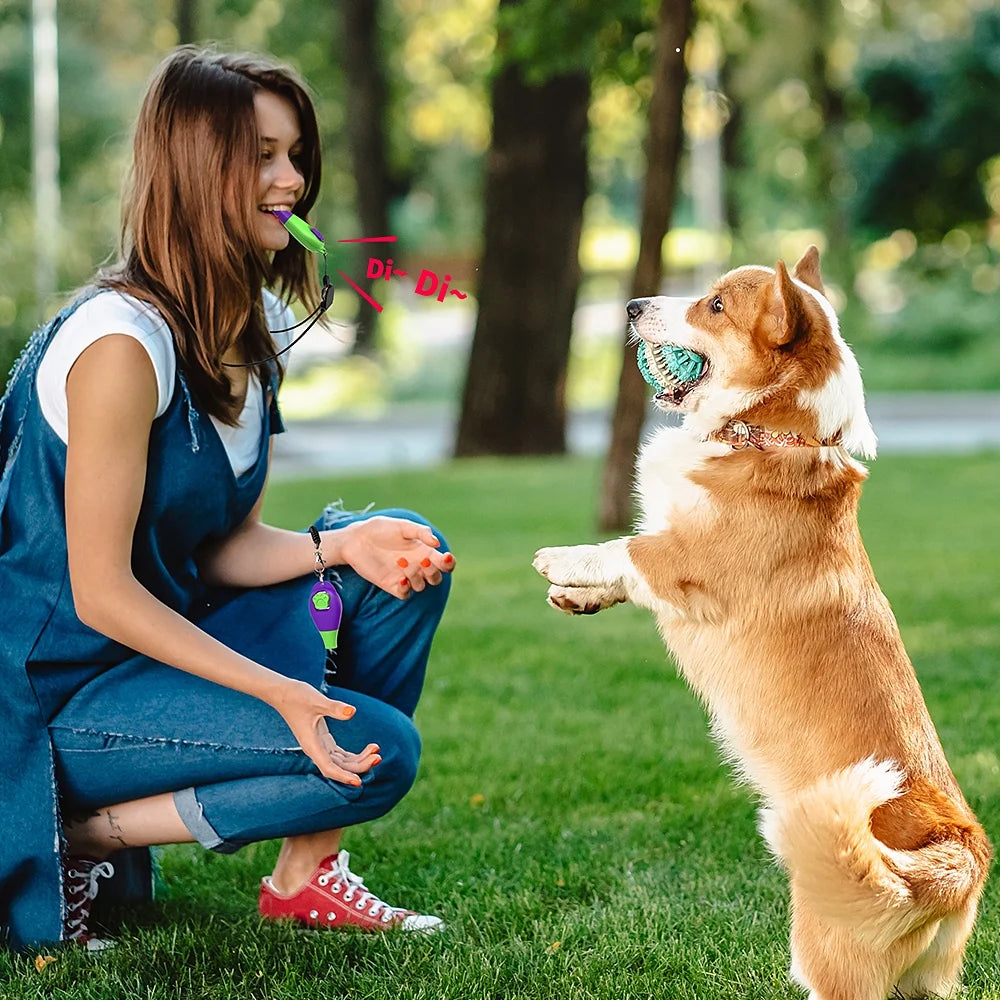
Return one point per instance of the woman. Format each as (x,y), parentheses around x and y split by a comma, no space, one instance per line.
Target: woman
(162,680)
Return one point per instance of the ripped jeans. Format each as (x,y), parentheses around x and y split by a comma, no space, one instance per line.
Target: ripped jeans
(143,728)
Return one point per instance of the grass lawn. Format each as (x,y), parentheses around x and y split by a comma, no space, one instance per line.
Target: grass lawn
(571,820)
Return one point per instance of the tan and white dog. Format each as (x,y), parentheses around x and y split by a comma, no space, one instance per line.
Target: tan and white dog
(749,555)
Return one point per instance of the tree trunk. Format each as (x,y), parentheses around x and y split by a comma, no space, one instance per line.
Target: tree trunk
(536,182)
(187,21)
(662,156)
(366,99)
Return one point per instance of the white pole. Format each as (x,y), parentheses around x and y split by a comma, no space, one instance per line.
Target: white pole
(45,147)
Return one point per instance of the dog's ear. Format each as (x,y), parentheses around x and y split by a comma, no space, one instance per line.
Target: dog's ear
(784,315)
(807,270)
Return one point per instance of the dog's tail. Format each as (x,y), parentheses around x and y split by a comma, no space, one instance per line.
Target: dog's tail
(932,860)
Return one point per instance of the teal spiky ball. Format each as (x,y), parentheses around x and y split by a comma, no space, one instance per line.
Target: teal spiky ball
(665,366)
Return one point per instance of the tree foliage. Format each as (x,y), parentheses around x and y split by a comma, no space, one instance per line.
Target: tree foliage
(872,115)
(934,116)
(547,39)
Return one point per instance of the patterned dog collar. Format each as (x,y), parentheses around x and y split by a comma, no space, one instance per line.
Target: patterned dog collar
(739,435)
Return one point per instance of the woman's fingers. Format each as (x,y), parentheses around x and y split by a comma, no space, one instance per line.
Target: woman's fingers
(323,752)
(399,555)
(435,560)
(416,576)
(430,571)
(337,763)
(432,565)
(306,710)
(354,764)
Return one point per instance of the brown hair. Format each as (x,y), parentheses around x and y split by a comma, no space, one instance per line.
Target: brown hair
(188,244)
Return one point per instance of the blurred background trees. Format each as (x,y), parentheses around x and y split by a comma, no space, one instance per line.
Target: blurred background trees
(870,127)
(536,184)
(663,153)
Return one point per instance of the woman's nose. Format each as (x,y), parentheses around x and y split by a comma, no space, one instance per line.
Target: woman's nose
(287,175)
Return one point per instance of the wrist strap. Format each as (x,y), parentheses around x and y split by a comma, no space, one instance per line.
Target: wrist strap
(319,568)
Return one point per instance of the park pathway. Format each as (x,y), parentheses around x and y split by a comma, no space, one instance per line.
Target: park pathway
(419,437)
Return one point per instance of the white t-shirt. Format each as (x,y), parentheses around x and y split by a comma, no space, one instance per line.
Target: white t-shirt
(111,312)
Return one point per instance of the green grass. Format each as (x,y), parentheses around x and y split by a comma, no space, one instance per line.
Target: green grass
(571,820)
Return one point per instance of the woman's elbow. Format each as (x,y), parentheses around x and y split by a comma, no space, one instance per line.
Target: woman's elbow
(98,600)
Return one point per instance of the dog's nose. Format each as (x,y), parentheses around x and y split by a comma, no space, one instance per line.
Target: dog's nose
(634,308)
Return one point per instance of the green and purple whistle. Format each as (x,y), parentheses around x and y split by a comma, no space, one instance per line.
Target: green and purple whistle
(326,608)
(311,239)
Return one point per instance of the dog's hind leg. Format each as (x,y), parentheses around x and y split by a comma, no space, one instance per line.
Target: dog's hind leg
(832,963)
(936,972)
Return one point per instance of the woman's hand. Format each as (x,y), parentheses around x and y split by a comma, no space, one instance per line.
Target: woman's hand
(305,710)
(396,554)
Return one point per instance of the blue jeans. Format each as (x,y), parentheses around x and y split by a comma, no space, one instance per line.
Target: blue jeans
(144,728)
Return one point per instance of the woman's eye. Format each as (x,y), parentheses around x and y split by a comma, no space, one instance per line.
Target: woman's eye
(717,305)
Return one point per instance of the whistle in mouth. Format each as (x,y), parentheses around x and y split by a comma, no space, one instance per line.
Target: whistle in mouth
(311,239)
(326,608)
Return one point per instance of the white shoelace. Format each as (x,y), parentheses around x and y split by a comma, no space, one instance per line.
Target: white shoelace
(343,874)
(81,890)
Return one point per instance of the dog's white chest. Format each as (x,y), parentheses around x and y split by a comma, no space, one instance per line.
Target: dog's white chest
(663,484)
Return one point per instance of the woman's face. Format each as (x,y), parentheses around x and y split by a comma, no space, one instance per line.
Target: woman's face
(280,182)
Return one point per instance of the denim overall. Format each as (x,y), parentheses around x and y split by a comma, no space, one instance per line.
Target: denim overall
(89,722)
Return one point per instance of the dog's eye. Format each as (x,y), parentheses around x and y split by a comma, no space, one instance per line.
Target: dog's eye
(717,305)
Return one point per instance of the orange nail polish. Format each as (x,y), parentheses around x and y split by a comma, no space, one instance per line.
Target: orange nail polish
(425,562)
(402,563)
(448,557)
(404,582)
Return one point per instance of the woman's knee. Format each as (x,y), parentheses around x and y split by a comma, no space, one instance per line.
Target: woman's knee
(399,747)
(397,770)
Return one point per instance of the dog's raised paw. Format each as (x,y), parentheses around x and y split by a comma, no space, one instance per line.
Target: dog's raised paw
(566,565)
(543,561)
(579,600)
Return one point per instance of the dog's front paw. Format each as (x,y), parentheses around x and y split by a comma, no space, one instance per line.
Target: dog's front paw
(544,560)
(565,565)
(581,600)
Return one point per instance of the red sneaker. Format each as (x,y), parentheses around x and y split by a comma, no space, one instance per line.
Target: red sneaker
(80,875)
(335,897)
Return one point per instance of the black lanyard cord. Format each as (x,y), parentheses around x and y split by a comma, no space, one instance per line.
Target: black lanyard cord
(325,301)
